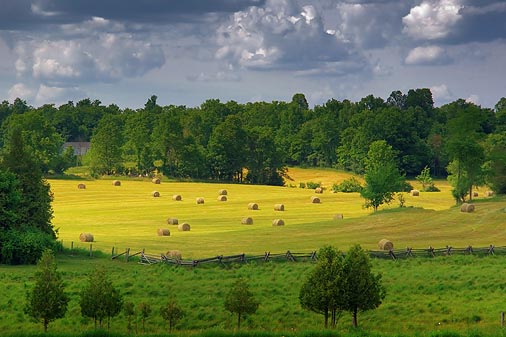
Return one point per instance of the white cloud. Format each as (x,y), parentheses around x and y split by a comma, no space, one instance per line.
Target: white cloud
(473,99)
(280,35)
(429,55)
(19,90)
(441,93)
(432,20)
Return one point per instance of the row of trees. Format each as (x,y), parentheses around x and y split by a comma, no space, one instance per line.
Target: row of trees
(220,140)
(337,283)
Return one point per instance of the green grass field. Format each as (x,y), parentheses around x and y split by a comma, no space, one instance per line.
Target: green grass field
(128,216)
(425,297)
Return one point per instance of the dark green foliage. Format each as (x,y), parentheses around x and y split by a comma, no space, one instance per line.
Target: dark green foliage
(171,312)
(106,146)
(99,299)
(144,313)
(321,291)
(240,300)
(26,229)
(495,166)
(312,185)
(47,301)
(348,186)
(129,311)
(362,290)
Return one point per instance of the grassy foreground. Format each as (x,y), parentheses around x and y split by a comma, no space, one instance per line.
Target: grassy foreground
(128,216)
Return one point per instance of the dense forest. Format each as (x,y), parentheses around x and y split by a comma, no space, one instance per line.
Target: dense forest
(255,142)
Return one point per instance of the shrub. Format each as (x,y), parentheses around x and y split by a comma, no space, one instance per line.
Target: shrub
(313,185)
(348,186)
(302,185)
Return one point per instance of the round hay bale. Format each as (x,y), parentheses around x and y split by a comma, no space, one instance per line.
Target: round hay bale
(279,207)
(81,186)
(253,206)
(174,254)
(156,194)
(200,200)
(247,221)
(385,244)
(338,216)
(172,221)
(278,222)
(415,193)
(184,227)
(116,183)
(156,181)
(475,194)
(222,198)
(467,208)
(177,197)
(315,200)
(318,190)
(86,237)
(222,192)
(163,232)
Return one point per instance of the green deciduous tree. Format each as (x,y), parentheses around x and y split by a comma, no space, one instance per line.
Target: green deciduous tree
(129,311)
(495,149)
(240,300)
(171,312)
(144,313)
(322,290)
(47,301)
(99,299)
(106,146)
(382,177)
(362,290)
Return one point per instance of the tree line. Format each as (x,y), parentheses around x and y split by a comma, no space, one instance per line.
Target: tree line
(255,142)
(338,283)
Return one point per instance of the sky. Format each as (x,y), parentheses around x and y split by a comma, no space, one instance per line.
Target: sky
(187,51)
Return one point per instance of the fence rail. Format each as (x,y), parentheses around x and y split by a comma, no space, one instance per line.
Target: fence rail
(393,254)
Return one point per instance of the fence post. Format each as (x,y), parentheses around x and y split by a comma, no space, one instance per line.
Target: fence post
(112,251)
(127,254)
(91,250)
(502,318)
(71,247)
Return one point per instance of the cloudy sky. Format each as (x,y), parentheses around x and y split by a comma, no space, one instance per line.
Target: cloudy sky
(186,51)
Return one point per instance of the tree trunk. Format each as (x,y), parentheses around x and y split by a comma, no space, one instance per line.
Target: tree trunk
(326,315)
(238,321)
(46,323)
(355,324)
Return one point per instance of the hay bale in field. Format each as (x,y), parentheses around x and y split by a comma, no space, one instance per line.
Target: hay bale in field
(318,190)
(174,254)
(116,183)
(86,237)
(81,186)
(222,192)
(222,198)
(279,207)
(200,200)
(253,206)
(278,222)
(467,208)
(338,216)
(385,244)
(315,200)
(172,221)
(489,193)
(163,232)
(247,221)
(475,194)
(156,181)
(184,227)
(177,197)
(155,194)
(415,193)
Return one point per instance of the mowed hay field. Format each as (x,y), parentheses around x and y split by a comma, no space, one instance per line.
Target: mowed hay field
(128,216)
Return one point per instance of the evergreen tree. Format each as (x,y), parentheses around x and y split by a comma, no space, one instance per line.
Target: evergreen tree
(171,312)
(240,300)
(99,299)
(321,292)
(47,301)
(362,290)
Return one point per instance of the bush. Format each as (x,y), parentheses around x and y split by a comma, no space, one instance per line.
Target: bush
(313,185)
(302,185)
(348,186)
(24,247)
(406,187)
(431,188)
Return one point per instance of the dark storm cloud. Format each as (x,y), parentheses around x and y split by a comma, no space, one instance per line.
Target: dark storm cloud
(23,14)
